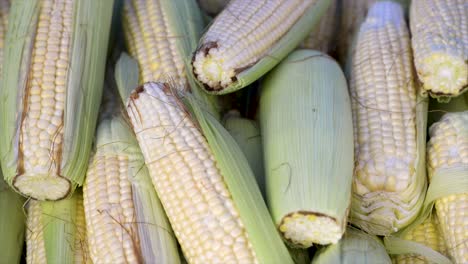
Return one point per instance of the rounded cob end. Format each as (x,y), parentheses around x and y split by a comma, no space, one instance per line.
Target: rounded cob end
(303,229)
(444,75)
(42,187)
(209,68)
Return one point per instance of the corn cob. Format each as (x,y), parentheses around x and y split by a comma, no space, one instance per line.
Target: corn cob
(56,232)
(212,7)
(51,93)
(205,208)
(448,154)
(355,247)
(304,134)
(125,220)
(389,124)
(440,43)
(426,233)
(248,38)
(321,37)
(246,132)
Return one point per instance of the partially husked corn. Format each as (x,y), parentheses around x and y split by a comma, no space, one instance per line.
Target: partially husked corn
(184,173)
(428,234)
(440,43)
(448,150)
(235,49)
(56,232)
(389,179)
(51,92)
(124,218)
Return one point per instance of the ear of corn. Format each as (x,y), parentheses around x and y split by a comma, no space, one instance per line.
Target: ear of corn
(11,224)
(427,234)
(248,38)
(448,175)
(440,43)
(389,125)
(56,232)
(322,36)
(207,198)
(161,35)
(246,132)
(355,247)
(125,220)
(55,53)
(306,124)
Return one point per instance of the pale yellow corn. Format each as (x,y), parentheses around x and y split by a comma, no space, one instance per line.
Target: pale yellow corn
(322,36)
(386,185)
(448,148)
(35,245)
(192,190)
(151,40)
(42,124)
(440,42)
(426,233)
(110,213)
(242,34)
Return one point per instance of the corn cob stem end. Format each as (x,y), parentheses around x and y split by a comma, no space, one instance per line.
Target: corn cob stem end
(42,187)
(303,229)
(444,75)
(209,68)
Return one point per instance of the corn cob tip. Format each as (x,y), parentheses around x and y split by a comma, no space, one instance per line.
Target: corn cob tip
(42,187)
(303,229)
(444,75)
(209,69)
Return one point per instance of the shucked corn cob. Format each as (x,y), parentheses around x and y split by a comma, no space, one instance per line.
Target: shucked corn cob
(202,209)
(51,89)
(248,38)
(305,133)
(389,124)
(322,36)
(447,154)
(125,220)
(440,42)
(426,233)
(56,232)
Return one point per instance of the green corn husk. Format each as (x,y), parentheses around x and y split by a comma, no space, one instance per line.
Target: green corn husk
(12,218)
(157,242)
(248,73)
(246,133)
(88,44)
(238,176)
(356,247)
(307,130)
(56,231)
